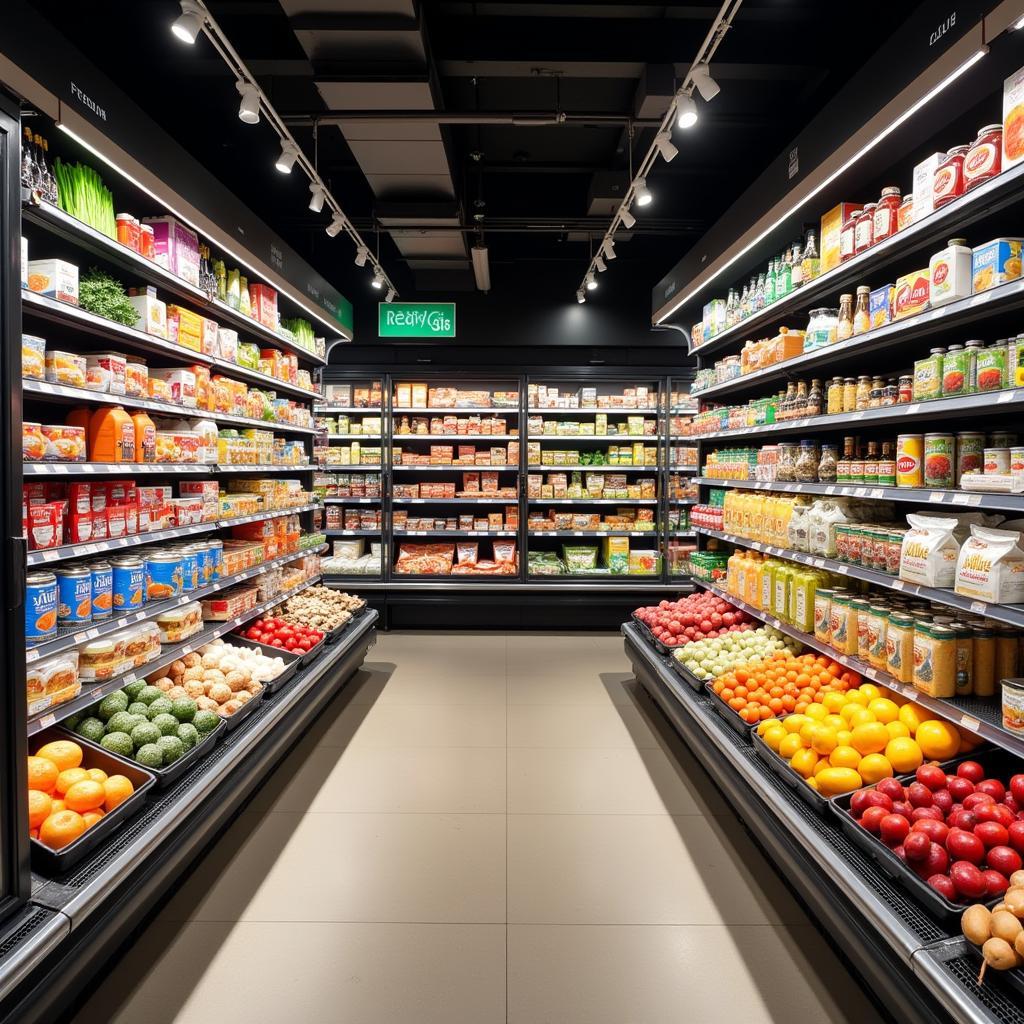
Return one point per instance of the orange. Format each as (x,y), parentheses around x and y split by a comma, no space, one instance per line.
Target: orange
(96,774)
(912,715)
(117,789)
(844,757)
(884,710)
(904,755)
(91,817)
(874,767)
(63,753)
(938,740)
(869,737)
(838,780)
(61,829)
(39,807)
(789,745)
(803,762)
(68,778)
(896,729)
(85,796)
(33,833)
(42,774)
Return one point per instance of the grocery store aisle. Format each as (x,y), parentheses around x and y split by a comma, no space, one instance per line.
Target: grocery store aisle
(484,828)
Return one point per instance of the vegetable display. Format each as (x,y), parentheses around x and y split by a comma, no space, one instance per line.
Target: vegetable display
(99,293)
(81,193)
(321,607)
(302,331)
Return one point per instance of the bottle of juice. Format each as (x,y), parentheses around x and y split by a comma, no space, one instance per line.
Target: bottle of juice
(755,575)
(805,583)
(111,435)
(80,418)
(780,597)
(742,568)
(145,437)
(731,570)
(764,599)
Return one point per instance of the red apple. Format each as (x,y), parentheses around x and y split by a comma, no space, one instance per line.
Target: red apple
(964,845)
(970,770)
(932,776)
(991,833)
(967,880)
(1015,835)
(943,884)
(995,883)
(919,795)
(872,818)
(893,829)
(936,831)
(1004,860)
(917,845)
(960,788)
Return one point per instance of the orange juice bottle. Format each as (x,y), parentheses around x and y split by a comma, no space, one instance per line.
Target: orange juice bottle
(145,437)
(755,575)
(111,435)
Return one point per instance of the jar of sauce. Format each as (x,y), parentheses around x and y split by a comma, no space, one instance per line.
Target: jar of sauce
(905,214)
(848,238)
(948,183)
(887,213)
(850,394)
(864,230)
(906,392)
(862,312)
(984,159)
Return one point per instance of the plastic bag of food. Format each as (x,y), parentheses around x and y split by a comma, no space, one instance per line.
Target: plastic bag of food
(798,531)
(579,557)
(544,563)
(824,518)
(991,566)
(468,552)
(929,552)
(505,551)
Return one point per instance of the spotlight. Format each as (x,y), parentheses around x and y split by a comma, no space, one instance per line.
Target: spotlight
(590,280)
(580,296)
(642,193)
(317,197)
(249,108)
(189,23)
(390,297)
(289,154)
(668,151)
(362,253)
(378,279)
(481,268)
(600,264)
(627,218)
(686,111)
(705,84)
(337,223)
(608,248)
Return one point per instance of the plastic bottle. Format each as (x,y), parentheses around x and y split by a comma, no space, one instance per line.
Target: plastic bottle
(145,437)
(111,435)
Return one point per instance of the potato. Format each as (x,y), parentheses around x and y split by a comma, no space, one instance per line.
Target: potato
(231,706)
(976,924)
(213,675)
(1018,944)
(192,660)
(177,693)
(1014,900)
(999,954)
(205,703)
(177,668)
(195,689)
(1005,926)
(220,692)
(1017,879)
(243,697)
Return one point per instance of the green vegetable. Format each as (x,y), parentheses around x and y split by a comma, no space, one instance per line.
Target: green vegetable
(166,723)
(161,706)
(99,293)
(171,748)
(302,332)
(81,192)
(151,756)
(111,704)
(188,734)
(118,743)
(205,721)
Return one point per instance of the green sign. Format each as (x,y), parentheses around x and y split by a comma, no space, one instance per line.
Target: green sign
(416,319)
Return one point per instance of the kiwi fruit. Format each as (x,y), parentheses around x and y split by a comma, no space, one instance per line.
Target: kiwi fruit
(976,923)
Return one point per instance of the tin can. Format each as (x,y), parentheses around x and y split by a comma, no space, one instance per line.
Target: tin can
(997,461)
(190,572)
(992,363)
(40,607)
(928,376)
(970,454)
(203,563)
(939,460)
(74,597)
(217,558)
(1002,439)
(1017,462)
(910,460)
(955,372)
(102,590)
(128,583)
(163,575)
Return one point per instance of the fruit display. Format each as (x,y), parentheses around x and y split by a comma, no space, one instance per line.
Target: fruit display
(146,723)
(321,607)
(717,656)
(219,677)
(278,633)
(961,833)
(66,796)
(697,616)
(838,742)
(998,933)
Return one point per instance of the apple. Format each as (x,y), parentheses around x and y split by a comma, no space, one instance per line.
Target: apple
(993,787)
(970,770)
(872,819)
(962,819)
(1015,836)
(932,776)
(943,884)
(893,829)
(919,795)
(995,882)
(965,846)
(967,879)
(991,833)
(1004,860)
(916,846)
(960,788)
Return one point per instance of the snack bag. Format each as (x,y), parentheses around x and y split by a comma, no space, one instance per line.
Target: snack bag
(929,552)
(991,566)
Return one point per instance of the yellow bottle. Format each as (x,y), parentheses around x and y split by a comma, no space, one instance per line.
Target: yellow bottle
(780,595)
(754,577)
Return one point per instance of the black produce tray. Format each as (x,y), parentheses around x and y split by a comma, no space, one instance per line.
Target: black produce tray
(234,721)
(58,862)
(999,763)
(291,664)
(1013,978)
(165,776)
(312,653)
(790,776)
(695,684)
(729,716)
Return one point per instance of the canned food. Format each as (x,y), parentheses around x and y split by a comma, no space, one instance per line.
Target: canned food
(163,575)
(909,460)
(939,460)
(997,461)
(992,368)
(189,567)
(102,590)
(74,597)
(970,454)
(204,561)
(906,389)
(40,607)
(1002,439)
(128,583)
(217,558)
(1017,462)
(955,376)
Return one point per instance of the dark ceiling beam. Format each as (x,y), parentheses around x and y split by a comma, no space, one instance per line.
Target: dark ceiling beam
(337,21)
(533,119)
(583,69)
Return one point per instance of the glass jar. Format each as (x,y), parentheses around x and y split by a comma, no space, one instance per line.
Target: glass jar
(906,390)
(984,652)
(850,394)
(864,232)
(785,469)
(806,465)
(877,393)
(905,214)
(984,159)
(891,394)
(964,658)
(863,393)
(844,325)
(829,325)
(862,313)
(835,396)
(948,183)
(827,464)
(887,213)
(848,238)
(814,406)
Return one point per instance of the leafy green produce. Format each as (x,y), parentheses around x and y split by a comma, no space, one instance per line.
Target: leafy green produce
(205,721)
(302,331)
(118,743)
(161,706)
(188,734)
(81,192)
(99,293)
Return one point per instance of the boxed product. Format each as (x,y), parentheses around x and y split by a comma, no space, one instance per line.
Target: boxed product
(152,311)
(227,344)
(264,304)
(644,563)
(52,681)
(180,382)
(714,317)
(56,279)
(1013,119)
(33,357)
(65,368)
(924,183)
(615,553)
(911,294)
(880,305)
(831,226)
(228,603)
(210,331)
(995,263)
(176,247)
(185,328)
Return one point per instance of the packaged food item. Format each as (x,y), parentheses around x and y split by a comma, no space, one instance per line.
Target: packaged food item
(63,443)
(177,624)
(1013,689)
(128,582)
(991,566)
(899,647)
(74,597)
(175,247)
(995,263)
(33,357)
(65,368)
(910,460)
(145,437)
(33,443)
(52,681)
(831,228)
(164,575)
(182,384)
(985,158)
(1013,119)
(880,305)
(928,555)
(56,279)
(40,607)
(970,457)
(912,294)
(227,344)
(934,653)
(111,435)
(950,272)
(924,185)
(939,460)
(178,446)
(152,312)
(948,183)
(991,367)
(996,460)
(101,659)
(136,377)
(928,376)
(102,590)
(106,372)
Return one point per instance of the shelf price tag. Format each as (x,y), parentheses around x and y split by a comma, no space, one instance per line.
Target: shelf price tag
(897,584)
(936,498)
(877,492)
(47,720)
(1005,397)
(979,606)
(830,489)
(971,724)
(913,409)
(860,492)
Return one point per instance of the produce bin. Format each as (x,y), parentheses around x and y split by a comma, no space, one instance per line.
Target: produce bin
(689,678)
(790,776)
(729,716)
(232,723)
(291,660)
(57,862)
(312,653)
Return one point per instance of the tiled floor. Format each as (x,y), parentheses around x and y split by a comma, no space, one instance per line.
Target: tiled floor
(484,828)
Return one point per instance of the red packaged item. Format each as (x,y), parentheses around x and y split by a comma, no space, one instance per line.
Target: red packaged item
(80,526)
(264,304)
(99,526)
(45,526)
(864,231)
(131,520)
(948,183)
(80,498)
(116,525)
(984,160)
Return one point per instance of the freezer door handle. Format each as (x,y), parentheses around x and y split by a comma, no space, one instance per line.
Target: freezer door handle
(18,548)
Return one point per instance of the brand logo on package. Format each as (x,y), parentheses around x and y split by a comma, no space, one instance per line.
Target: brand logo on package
(416,319)
(88,101)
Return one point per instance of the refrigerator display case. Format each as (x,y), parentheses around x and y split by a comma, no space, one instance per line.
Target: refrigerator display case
(682,488)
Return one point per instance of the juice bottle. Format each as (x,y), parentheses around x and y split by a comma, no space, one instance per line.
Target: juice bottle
(741,575)
(780,596)
(145,437)
(111,435)
(754,577)
(731,570)
(805,583)
(79,418)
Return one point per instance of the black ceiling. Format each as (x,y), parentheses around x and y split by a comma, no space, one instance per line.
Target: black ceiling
(780,63)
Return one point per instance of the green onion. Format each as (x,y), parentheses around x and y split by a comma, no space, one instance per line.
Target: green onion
(82,194)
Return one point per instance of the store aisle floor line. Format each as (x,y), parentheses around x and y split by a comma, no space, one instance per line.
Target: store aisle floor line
(484,828)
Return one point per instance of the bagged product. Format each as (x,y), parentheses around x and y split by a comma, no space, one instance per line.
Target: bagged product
(991,566)
(798,531)
(824,518)
(929,552)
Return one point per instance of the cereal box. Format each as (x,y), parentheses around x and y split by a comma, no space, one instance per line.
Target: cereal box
(995,263)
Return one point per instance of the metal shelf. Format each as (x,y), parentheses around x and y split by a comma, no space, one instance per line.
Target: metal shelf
(351,501)
(595,469)
(976,714)
(1012,614)
(549,584)
(534,410)
(272,513)
(592,501)
(97,547)
(982,201)
(454,468)
(352,437)
(454,533)
(454,501)
(597,438)
(331,467)
(651,534)
(352,533)
(398,410)
(681,533)
(114,468)
(397,438)
(915,495)
(262,380)
(319,408)
(306,467)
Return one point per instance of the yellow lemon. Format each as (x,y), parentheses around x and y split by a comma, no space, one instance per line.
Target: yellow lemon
(817,712)
(904,755)
(833,701)
(843,737)
(861,716)
(834,722)
(824,740)
(869,738)
(912,715)
(938,740)
(838,780)
(870,691)
(763,726)
(821,766)
(847,710)
(857,696)
(790,745)
(844,757)
(794,723)
(806,732)
(874,767)
(896,730)
(884,710)
(803,761)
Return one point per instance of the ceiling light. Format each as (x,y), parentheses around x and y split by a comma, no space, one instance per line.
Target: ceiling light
(608,248)
(362,253)
(289,154)
(378,279)
(190,22)
(249,108)
(641,193)
(1019,24)
(337,223)
(317,196)
(668,151)
(590,280)
(627,218)
(686,111)
(390,297)
(481,268)
(580,295)
(705,84)
(600,264)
